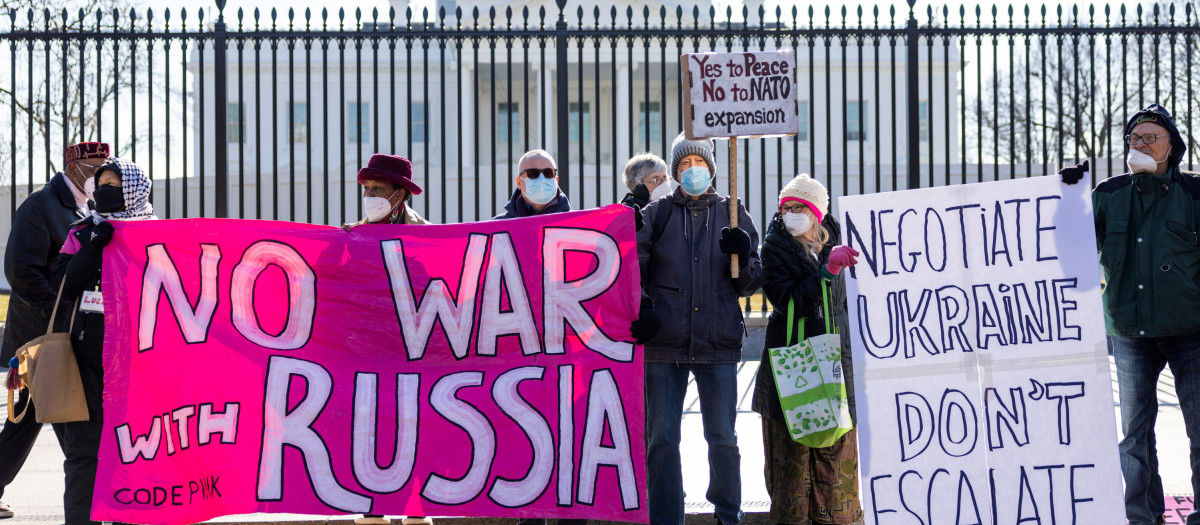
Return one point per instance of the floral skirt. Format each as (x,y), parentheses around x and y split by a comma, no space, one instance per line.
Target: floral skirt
(811,485)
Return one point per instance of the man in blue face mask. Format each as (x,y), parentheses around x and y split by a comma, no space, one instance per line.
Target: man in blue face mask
(684,251)
(537,190)
(537,193)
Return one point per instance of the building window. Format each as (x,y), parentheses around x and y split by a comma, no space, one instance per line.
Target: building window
(358,121)
(298,131)
(508,121)
(856,121)
(802,119)
(923,121)
(419,118)
(235,127)
(651,118)
(580,123)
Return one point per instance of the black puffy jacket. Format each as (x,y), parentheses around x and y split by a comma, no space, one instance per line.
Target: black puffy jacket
(37,234)
(688,278)
(78,270)
(793,274)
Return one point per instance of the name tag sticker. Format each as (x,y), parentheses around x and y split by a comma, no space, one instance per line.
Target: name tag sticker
(92,302)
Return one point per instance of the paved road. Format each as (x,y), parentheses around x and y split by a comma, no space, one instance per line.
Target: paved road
(36,494)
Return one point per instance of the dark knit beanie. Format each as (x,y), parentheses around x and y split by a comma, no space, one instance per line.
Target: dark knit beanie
(1159,115)
(683,147)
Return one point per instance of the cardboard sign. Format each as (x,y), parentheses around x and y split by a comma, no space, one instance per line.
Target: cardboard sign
(751,94)
(481,369)
(982,373)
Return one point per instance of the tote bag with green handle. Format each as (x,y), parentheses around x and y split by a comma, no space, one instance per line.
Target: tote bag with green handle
(808,377)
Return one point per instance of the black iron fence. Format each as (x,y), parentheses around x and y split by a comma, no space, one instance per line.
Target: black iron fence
(270,113)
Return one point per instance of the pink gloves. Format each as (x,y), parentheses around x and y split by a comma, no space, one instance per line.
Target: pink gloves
(841,257)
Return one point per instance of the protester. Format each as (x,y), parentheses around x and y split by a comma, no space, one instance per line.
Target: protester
(38,232)
(1146,224)
(387,191)
(646,178)
(537,190)
(537,194)
(690,322)
(799,254)
(122,193)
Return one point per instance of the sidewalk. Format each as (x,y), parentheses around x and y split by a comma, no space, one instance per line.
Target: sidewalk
(36,494)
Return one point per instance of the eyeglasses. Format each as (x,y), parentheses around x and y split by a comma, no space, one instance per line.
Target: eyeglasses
(655,180)
(793,208)
(532,173)
(85,168)
(1134,140)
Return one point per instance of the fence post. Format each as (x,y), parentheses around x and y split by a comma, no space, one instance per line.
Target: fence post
(913,95)
(220,90)
(563,155)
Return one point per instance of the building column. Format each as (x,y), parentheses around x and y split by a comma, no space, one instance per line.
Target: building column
(546,111)
(624,101)
(466,108)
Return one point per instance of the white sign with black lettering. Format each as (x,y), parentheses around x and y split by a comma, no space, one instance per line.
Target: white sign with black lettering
(751,94)
(982,378)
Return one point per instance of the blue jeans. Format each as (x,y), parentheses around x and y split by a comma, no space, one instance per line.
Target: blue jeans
(1139,363)
(666,385)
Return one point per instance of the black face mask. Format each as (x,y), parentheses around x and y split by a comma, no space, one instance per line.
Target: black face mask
(109,199)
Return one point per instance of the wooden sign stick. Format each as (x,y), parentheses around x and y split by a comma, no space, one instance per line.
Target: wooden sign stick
(733,201)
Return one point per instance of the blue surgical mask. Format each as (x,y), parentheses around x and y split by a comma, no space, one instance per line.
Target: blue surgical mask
(695,181)
(540,190)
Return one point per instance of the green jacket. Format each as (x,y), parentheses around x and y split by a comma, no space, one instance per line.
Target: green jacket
(1146,229)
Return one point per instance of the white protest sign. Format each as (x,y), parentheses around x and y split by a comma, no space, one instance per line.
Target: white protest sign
(981,370)
(751,94)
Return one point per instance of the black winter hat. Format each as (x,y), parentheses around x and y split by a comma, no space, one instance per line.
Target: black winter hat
(1157,114)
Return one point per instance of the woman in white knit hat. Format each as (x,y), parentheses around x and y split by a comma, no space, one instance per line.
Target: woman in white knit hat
(800,253)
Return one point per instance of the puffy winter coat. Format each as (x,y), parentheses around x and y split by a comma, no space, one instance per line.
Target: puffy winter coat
(688,278)
(517,207)
(78,270)
(38,232)
(791,273)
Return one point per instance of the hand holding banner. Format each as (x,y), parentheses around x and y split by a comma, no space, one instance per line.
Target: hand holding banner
(479,369)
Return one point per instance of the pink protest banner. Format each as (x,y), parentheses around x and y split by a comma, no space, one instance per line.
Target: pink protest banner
(481,369)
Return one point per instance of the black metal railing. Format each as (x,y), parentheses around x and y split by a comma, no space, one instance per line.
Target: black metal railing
(269,114)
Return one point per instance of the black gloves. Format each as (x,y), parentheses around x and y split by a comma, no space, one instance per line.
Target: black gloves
(647,324)
(1073,174)
(102,233)
(638,222)
(735,242)
(634,200)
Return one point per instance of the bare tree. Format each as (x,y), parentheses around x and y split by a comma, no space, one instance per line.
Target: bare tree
(1069,94)
(73,79)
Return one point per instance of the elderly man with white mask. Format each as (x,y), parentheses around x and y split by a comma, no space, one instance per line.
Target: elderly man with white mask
(1147,224)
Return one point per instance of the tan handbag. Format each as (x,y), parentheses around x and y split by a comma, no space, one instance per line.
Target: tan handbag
(48,368)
